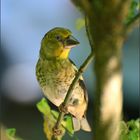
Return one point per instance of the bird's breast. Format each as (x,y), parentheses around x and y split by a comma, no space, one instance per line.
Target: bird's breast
(56,79)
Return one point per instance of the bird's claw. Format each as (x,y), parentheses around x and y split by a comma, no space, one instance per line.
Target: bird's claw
(63,108)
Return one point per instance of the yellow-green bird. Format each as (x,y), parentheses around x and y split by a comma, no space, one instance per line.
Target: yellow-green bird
(55,73)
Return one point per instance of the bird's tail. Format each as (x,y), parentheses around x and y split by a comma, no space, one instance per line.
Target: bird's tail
(81,124)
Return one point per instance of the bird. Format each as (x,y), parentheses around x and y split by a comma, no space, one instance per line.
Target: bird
(55,72)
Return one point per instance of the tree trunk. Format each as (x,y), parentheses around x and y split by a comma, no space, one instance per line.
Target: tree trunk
(106,26)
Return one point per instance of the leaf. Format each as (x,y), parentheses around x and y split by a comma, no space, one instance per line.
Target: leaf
(69,125)
(138,6)
(49,124)
(80,23)
(133,10)
(55,113)
(50,118)
(130,130)
(133,136)
(43,107)
(11,134)
(67,122)
(124,131)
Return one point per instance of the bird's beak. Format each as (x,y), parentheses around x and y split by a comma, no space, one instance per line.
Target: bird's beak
(70,42)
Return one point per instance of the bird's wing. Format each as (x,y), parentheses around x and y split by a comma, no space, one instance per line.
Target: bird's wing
(82,85)
(81,81)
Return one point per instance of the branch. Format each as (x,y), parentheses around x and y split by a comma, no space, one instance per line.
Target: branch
(88,33)
(135,21)
(77,76)
(84,5)
(72,86)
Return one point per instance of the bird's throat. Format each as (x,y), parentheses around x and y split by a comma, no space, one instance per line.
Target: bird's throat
(64,54)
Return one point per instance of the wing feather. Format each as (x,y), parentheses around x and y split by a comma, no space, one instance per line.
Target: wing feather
(81,82)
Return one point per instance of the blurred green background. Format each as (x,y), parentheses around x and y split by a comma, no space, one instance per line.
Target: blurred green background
(23,24)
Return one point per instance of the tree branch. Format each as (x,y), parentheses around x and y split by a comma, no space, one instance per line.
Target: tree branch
(72,86)
(88,33)
(135,21)
(77,76)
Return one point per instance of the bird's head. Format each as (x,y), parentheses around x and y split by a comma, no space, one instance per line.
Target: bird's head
(57,43)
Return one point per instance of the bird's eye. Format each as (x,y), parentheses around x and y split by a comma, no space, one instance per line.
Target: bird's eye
(58,37)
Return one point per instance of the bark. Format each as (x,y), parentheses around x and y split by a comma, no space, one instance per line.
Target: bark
(106,26)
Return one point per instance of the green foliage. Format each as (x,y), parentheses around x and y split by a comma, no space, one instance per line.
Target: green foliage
(130,130)
(11,134)
(50,118)
(69,125)
(80,23)
(43,107)
(134,8)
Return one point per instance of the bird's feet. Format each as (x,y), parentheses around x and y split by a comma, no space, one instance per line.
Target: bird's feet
(56,131)
(63,108)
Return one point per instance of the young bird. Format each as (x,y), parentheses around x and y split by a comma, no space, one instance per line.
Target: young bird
(55,73)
